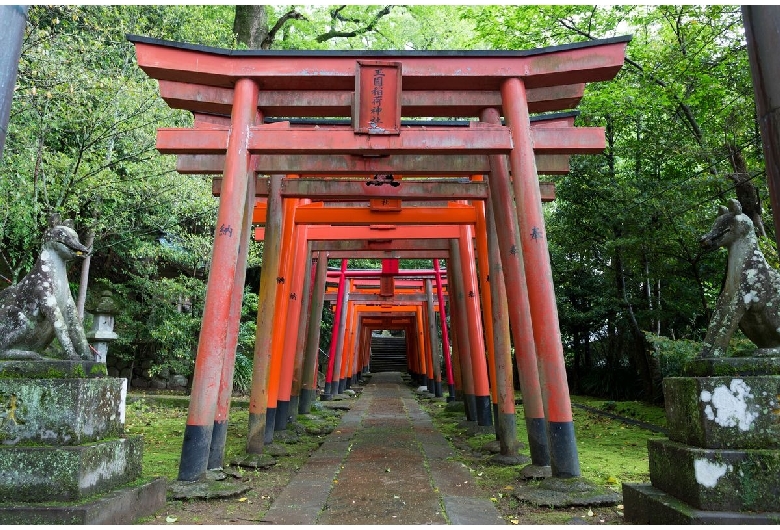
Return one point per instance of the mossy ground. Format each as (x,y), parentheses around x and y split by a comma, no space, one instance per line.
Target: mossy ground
(610,453)
(161,420)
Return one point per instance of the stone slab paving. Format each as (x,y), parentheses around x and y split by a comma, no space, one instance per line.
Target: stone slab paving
(385,464)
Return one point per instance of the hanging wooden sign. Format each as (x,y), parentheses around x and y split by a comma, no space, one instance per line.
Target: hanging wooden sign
(377,107)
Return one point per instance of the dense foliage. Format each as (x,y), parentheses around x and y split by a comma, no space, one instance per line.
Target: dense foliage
(681,139)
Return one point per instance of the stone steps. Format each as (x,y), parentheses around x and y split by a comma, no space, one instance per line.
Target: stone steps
(388,354)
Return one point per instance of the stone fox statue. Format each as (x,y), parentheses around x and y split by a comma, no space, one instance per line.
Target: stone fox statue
(751,295)
(40,307)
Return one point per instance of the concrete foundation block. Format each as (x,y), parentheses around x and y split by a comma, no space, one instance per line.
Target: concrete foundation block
(647,505)
(725,412)
(123,506)
(44,474)
(717,479)
(61,411)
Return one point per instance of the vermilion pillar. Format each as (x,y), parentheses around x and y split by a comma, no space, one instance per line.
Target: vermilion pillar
(329,390)
(219,291)
(219,434)
(474,323)
(303,328)
(434,339)
(483,274)
(428,341)
(426,373)
(344,345)
(506,421)
(460,327)
(309,371)
(337,349)
(280,315)
(456,371)
(445,339)
(365,353)
(511,252)
(541,295)
(266,304)
(294,298)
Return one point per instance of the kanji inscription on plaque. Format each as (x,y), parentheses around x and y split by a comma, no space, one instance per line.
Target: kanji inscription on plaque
(377,108)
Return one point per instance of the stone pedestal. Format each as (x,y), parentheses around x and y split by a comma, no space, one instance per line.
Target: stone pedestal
(64,457)
(721,463)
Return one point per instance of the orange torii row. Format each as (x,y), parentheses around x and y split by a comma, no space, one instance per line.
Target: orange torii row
(253,112)
(477,392)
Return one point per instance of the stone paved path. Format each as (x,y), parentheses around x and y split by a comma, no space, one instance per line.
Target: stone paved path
(384,464)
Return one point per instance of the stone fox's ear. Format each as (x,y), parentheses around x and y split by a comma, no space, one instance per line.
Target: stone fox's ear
(735,207)
(722,210)
(53,220)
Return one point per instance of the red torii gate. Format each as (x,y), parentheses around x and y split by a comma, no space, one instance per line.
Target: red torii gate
(374,90)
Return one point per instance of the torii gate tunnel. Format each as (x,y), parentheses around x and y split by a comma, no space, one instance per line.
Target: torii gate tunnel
(342,154)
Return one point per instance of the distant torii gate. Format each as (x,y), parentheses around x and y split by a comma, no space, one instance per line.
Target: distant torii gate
(245,104)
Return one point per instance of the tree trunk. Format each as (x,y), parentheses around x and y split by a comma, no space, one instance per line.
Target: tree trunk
(639,351)
(747,195)
(251,26)
(82,298)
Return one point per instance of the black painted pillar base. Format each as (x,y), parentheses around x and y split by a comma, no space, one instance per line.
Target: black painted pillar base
(325,396)
(348,383)
(217,448)
(195,451)
(255,441)
(451,392)
(563,450)
(270,424)
(294,400)
(537,441)
(328,388)
(282,415)
(484,414)
(342,386)
(437,391)
(496,421)
(470,401)
(431,384)
(308,396)
(507,434)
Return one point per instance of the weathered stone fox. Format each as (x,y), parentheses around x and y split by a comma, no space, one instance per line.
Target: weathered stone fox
(751,295)
(40,307)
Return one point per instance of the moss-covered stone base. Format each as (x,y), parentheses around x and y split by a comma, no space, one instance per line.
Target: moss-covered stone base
(645,504)
(724,412)
(717,479)
(61,411)
(51,369)
(122,506)
(733,366)
(44,474)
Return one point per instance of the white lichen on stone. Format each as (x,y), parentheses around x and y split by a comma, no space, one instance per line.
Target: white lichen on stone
(752,296)
(104,470)
(708,473)
(730,406)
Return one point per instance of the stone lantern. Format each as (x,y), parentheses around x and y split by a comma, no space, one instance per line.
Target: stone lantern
(102,331)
